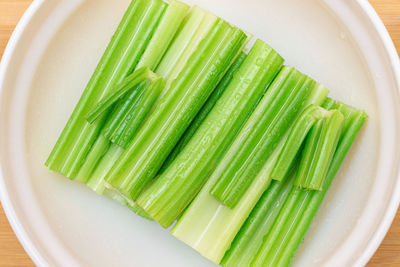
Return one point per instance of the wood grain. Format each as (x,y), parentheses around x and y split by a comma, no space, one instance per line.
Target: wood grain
(12,253)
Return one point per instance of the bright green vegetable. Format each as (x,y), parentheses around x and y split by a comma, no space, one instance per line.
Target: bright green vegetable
(126,129)
(329,104)
(130,103)
(119,130)
(291,89)
(187,36)
(207,225)
(205,110)
(173,190)
(165,32)
(318,151)
(138,165)
(195,27)
(119,60)
(133,83)
(258,224)
(105,162)
(296,137)
(281,243)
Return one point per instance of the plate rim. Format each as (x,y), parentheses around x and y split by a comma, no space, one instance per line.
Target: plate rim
(390,213)
(372,245)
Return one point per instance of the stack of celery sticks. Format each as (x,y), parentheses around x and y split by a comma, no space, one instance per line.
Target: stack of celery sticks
(181,124)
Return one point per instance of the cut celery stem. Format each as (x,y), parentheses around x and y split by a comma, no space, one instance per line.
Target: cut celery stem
(275,239)
(309,154)
(140,85)
(298,233)
(118,61)
(162,38)
(276,114)
(207,225)
(296,137)
(129,84)
(122,112)
(179,183)
(194,28)
(281,244)
(96,180)
(257,225)
(205,110)
(318,151)
(138,165)
(125,132)
(98,150)
(329,103)
(168,26)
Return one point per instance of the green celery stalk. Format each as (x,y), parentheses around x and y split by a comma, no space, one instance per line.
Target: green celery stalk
(257,225)
(118,61)
(122,132)
(122,111)
(173,190)
(128,85)
(207,225)
(125,132)
(195,27)
(96,179)
(283,240)
(276,114)
(329,104)
(296,137)
(126,117)
(318,151)
(205,110)
(168,26)
(138,165)
(165,32)
(138,83)
(267,252)
(189,29)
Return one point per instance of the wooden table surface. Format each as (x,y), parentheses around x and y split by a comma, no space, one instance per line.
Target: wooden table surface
(12,253)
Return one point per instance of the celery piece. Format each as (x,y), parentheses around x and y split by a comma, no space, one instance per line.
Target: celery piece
(118,61)
(329,103)
(282,242)
(182,39)
(129,84)
(195,27)
(165,32)
(96,179)
(122,112)
(125,132)
(141,85)
(318,151)
(207,225)
(296,137)
(173,190)
(276,114)
(119,130)
(250,237)
(205,110)
(92,171)
(126,117)
(98,150)
(138,165)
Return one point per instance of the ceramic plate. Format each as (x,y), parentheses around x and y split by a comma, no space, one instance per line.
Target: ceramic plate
(50,58)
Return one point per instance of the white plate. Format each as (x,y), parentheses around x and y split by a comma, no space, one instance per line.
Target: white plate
(54,51)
